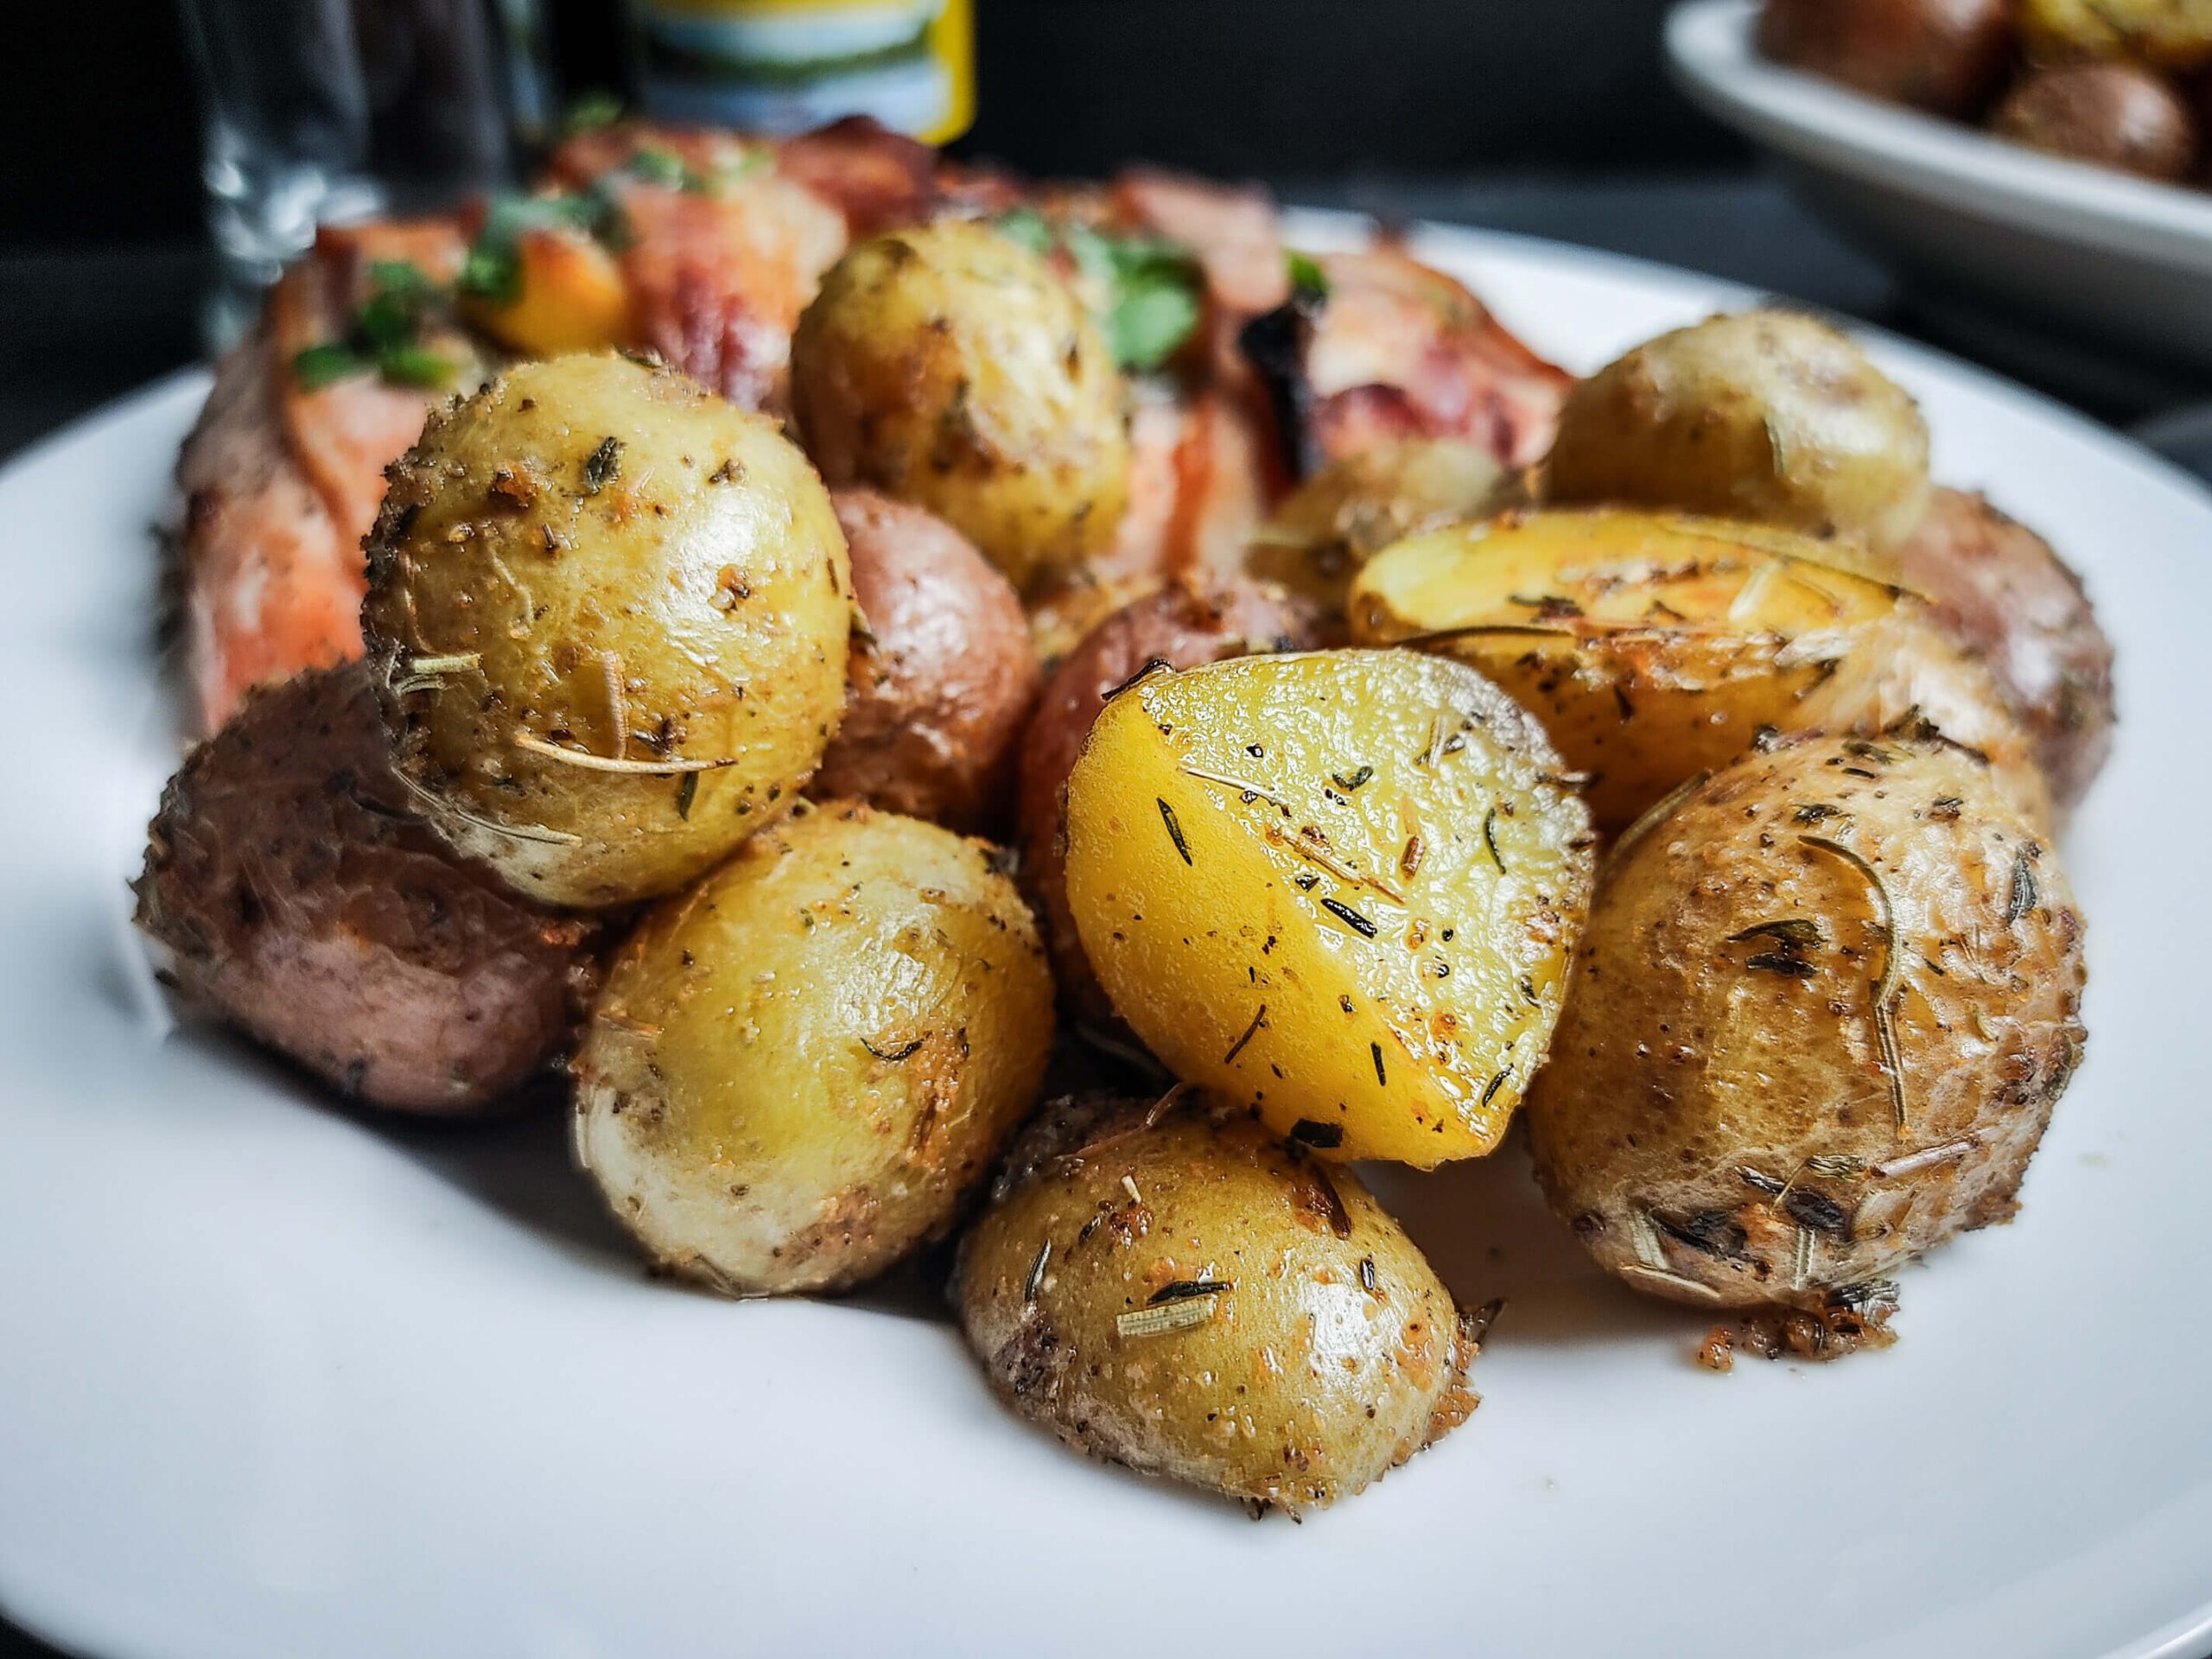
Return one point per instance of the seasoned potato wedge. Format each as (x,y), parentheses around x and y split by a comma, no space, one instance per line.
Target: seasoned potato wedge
(1191,1297)
(1770,417)
(1179,626)
(1818,1022)
(1338,519)
(1339,887)
(798,1068)
(2113,114)
(608,615)
(948,364)
(1657,647)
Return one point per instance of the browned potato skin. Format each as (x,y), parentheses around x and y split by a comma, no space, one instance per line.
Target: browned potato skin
(1696,1047)
(1302,1385)
(1319,535)
(1181,627)
(939,689)
(1770,416)
(300,899)
(951,366)
(2115,115)
(2001,592)
(1944,56)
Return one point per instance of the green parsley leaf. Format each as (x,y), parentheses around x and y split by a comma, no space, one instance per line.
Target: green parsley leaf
(662,168)
(327,364)
(594,111)
(1027,227)
(492,271)
(416,366)
(1150,321)
(1306,272)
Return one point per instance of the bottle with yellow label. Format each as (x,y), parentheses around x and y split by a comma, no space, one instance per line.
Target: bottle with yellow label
(783,66)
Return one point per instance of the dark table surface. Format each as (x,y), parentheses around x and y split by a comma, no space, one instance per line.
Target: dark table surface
(82,327)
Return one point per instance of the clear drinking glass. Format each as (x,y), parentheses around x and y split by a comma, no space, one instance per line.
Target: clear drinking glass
(323,110)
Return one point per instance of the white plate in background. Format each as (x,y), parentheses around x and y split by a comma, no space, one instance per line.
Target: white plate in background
(279,1380)
(2120,258)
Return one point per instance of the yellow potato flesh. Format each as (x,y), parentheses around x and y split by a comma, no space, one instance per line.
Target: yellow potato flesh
(1337,886)
(1651,647)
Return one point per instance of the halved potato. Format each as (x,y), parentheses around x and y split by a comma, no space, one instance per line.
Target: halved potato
(1654,647)
(1338,887)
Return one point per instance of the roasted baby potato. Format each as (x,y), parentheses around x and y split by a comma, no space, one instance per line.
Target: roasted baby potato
(1339,887)
(1944,56)
(1818,1022)
(2171,34)
(1189,1297)
(940,684)
(798,1067)
(1656,647)
(1998,589)
(948,365)
(297,896)
(609,613)
(1770,417)
(1180,627)
(1344,514)
(2116,114)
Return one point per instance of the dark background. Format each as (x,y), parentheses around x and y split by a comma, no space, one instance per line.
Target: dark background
(102,141)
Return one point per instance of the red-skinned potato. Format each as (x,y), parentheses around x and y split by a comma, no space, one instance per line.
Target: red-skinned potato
(939,686)
(2001,592)
(298,897)
(2115,115)
(1179,626)
(1944,56)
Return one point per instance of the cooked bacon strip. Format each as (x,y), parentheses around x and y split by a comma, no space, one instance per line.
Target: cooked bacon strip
(1231,229)
(272,584)
(344,434)
(877,178)
(1391,322)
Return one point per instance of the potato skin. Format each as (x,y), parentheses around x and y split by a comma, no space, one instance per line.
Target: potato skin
(1770,417)
(798,1067)
(1657,646)
(1301,1385)
(1314,542)
(939,688)
(300,898)
(1179,625)
(1339,887)
(617,568)
(2170,34)
(950,366)
(1944,56)
(1720,1034)
(2116,114)
(1998,589)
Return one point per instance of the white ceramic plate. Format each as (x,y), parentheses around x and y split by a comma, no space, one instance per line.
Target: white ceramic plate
(2118,257)
(277,1381)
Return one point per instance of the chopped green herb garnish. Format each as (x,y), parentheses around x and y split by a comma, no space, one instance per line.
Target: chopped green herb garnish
(594,112)
(1147,290)
(1305,273)
(1027,227)
(663,166)
(328,364)
(418,366)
